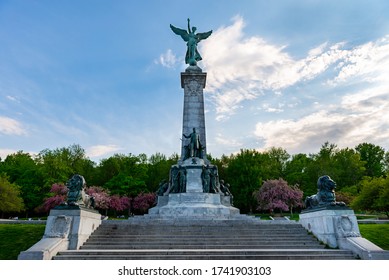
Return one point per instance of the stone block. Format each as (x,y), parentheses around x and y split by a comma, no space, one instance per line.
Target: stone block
(66,229)
(338,228)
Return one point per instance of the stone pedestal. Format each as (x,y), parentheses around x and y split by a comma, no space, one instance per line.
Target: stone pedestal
(337,227)
(193,83)
(329,225)
(66,229)
(193,205)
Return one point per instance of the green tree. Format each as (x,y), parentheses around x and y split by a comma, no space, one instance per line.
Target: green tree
(244,173)
(373,196)
(10,199)
(123,174)
(275,163)
(348,169)
(60,164)
(158,169)
(296,173)
(23,171)
(374,158)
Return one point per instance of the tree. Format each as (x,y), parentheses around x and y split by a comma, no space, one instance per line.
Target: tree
(101,197)
(348,169)
(278,195)
(123,175)
(119,203)
(244,174)
(276,161)
(158,170)
(142,202)
(10,200)
(296,173)
(374,158)
(23,171)
(373,196)
(60,164)
(58,194)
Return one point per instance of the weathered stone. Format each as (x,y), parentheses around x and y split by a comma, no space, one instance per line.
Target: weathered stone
(65,230)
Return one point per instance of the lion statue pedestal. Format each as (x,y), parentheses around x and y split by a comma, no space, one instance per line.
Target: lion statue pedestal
(335,224)
(68,226)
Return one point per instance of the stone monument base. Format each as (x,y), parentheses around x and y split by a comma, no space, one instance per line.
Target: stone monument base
(191,205)
(337,227)
(66,229)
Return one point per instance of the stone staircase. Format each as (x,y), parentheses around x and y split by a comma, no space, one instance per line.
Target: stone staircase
(141,239)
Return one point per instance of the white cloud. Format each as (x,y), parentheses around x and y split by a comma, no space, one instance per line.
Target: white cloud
(360,117)
(5,152)
(168,59)
(241,67)
(10,126)
(101,150)
(364,60)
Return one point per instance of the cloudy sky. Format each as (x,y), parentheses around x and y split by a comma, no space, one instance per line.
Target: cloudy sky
(106,74)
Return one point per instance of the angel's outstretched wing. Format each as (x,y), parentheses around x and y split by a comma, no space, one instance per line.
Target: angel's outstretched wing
(202,36)
(182,32)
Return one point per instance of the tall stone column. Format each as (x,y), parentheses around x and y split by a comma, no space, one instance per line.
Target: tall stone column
(193,83)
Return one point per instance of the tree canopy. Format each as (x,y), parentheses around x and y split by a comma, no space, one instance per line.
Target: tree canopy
(31,177)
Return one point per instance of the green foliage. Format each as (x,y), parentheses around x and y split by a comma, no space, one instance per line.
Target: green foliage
(245,171)
(15,238)
(124,175)
(158,169)
(374,157)
(374,195)
(129,175)
(60,164)
(23,171)
(296,173)
(10,200)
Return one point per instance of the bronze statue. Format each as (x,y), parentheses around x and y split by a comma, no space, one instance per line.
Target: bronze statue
(195,145)
(206,178)
(325,194)
(192,39)
(75,186)
(76,194)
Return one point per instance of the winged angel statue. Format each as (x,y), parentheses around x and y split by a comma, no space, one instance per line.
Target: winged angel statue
(192,39)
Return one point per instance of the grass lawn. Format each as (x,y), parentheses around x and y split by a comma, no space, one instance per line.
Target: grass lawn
(15,238)
(376,233)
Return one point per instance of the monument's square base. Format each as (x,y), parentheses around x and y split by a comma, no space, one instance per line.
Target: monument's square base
(190,205)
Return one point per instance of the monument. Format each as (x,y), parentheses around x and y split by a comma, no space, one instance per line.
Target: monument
(194,188)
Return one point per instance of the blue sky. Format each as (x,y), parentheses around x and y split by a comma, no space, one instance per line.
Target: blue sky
(106,75)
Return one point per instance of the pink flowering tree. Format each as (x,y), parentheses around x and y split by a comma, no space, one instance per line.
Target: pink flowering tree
(101,197)
(119,203)
(142,202)
(278,195)
(58,194)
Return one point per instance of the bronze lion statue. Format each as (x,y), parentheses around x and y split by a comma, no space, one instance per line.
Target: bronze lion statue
(325,194)
(76,192)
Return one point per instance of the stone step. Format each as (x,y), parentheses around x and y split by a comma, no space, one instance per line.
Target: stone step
(213,239)
(198,246)
(270,254)
(200,243)
(124,238)
(211,234)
